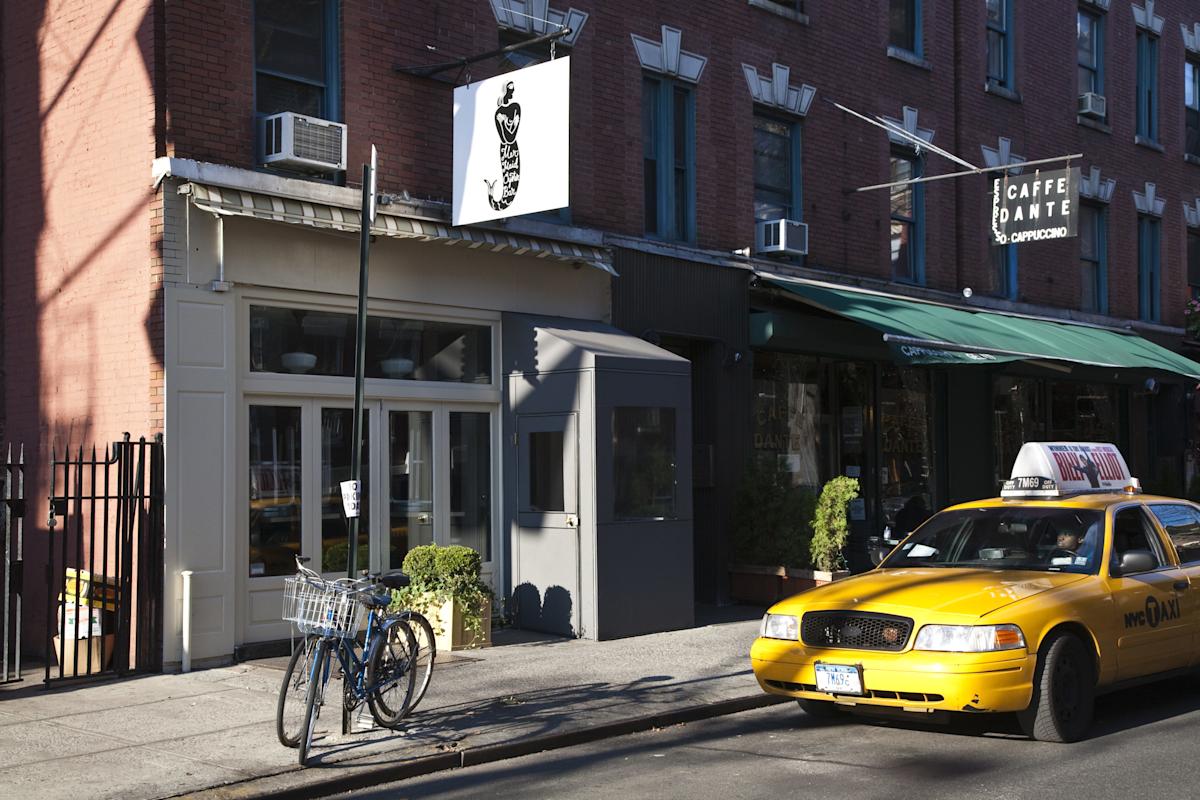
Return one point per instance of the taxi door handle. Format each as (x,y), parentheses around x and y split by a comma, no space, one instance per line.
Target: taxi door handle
(1181,585)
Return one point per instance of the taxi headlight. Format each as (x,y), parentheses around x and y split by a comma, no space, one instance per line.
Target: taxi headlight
(779,626)
(970,638)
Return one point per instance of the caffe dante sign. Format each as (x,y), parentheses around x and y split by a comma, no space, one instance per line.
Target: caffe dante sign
(511,135)
(1031,208)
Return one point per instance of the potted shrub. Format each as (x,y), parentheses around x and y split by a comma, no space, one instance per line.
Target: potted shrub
(831,526)
(1191,319)
(771,535)
(446,588)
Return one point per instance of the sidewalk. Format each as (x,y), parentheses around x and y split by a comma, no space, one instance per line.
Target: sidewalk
(211,733)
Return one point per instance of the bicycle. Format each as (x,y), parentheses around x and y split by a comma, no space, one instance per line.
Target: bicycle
(379,670)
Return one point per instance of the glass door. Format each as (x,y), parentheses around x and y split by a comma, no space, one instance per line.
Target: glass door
(336,450)
(410,480)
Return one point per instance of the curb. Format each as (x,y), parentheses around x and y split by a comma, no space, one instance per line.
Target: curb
(292,786)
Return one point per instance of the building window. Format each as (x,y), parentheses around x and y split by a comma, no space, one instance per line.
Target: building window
(904,25)
(303,341)
(1149,234)
(999,43)
(1191,102)
(337,448)
(1090,48)
(1092,260)
(1003,265)
(276,485)
(1193,262)
(776,169)
(296,57)
(1147,86)
(908,221)
(668,159)
(643,462)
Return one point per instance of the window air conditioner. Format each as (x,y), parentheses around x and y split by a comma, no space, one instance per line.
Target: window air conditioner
(295,141)
(780,237)
(1092,105)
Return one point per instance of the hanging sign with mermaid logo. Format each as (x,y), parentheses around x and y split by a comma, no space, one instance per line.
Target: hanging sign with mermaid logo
(511,137)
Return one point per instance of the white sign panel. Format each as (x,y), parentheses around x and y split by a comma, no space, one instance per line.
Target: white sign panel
(511,137)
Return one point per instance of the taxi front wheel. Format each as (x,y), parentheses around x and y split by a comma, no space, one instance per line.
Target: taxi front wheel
(1064,692)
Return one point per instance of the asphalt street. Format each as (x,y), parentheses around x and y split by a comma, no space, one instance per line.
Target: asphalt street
(1144,743)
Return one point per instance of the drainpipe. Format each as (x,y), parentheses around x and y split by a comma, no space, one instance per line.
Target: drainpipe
(187,620)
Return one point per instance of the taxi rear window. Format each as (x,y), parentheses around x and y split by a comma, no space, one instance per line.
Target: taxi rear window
(1008,537)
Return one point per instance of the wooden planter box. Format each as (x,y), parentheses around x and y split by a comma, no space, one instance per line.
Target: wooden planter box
(449,632)
(763,585)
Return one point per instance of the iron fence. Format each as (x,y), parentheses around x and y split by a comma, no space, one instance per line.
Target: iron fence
(105,559)
(12,521)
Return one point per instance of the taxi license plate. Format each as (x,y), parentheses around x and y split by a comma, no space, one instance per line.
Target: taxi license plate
(839,679)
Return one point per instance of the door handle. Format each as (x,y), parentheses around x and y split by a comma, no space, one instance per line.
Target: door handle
(1181,585)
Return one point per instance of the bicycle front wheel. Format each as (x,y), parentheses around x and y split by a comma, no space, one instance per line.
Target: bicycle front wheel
(422,631)
(390,675)
(293,695)
(312,703)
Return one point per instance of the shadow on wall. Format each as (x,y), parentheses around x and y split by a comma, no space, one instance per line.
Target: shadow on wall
(549,615)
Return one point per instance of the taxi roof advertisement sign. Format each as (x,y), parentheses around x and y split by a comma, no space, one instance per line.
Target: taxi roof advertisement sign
(1031,208)
(1075,466)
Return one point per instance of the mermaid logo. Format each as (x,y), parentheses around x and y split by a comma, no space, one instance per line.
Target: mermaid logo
(508,119)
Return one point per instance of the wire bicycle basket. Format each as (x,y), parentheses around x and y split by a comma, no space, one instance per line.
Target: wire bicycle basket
(322,607)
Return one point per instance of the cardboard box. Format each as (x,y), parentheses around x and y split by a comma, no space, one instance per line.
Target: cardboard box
(74,659)
(91,621)
(97,591)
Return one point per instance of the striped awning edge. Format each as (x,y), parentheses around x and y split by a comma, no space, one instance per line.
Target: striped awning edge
(219,200)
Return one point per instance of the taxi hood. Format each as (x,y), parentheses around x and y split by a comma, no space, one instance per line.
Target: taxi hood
(910,591)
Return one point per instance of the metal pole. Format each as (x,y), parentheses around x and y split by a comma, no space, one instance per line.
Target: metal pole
(360,357)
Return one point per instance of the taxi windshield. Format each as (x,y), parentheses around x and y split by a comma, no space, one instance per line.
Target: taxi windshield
(1006,537)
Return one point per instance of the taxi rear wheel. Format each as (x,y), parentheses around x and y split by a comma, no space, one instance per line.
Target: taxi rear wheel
(1064,692)
(819,709)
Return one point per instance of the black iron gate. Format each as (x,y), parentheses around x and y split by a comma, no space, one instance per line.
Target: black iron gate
(12,525)
(105,561)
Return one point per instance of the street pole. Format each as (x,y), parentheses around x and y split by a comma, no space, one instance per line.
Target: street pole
(353,505)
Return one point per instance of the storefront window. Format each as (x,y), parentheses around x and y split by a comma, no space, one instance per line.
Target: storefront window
(302,341)
(471,481)
(275,481)
(644,462)
(336,445)
(906,452)
(788,426)
(1033,410)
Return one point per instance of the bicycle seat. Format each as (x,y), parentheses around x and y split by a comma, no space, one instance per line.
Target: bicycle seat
(394,579)
(375,600)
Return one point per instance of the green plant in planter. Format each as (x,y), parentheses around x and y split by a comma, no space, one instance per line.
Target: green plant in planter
(438,574)
(1191,318)
(772,518)
(830,524)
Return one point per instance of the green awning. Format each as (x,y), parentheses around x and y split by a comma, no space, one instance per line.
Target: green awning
(920,332)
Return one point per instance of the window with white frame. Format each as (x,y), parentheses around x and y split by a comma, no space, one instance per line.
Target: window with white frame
(1191,107)
(1149,255)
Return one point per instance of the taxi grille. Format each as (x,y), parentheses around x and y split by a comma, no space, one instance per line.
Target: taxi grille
(855,630)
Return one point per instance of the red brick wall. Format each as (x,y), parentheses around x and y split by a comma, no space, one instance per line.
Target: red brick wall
(78,141)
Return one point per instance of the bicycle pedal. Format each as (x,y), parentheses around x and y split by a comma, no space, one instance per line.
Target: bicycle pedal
(362,721)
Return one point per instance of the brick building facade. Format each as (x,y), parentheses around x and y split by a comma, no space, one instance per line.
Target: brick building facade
(100,251)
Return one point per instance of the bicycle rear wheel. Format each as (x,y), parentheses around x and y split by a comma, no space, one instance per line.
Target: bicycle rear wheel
(422,631)
(390,674)
(293,694)
(312,704)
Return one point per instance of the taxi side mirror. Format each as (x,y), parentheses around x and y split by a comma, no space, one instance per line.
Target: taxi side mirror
(1133,561)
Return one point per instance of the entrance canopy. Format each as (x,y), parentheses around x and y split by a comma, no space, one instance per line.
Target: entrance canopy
(921,332)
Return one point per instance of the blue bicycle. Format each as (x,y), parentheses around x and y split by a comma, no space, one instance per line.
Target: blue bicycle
(380,670)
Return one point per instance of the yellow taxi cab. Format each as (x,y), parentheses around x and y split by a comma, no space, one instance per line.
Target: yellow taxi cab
(1071,583)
